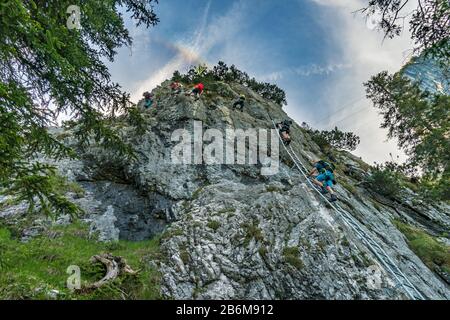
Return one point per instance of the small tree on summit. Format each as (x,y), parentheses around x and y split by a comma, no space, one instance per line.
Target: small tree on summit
(221,72)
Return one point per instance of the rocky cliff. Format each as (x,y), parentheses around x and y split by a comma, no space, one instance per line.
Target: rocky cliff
(229,232)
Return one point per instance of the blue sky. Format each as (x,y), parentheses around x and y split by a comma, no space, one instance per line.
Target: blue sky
(318,51)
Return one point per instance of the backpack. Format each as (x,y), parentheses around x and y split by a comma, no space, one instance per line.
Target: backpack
(327,166)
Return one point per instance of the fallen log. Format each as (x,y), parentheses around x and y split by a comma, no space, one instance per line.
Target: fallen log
(115,266)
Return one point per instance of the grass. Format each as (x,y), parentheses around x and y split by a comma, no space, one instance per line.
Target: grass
(263,251)
(65,186)
(30,270)
(291,256)
(273,189)
(426,247)
(226,210)
(196,193)
(184,254)
(252,231)
(345,242)
(376,206)
(213,224)
(348,187)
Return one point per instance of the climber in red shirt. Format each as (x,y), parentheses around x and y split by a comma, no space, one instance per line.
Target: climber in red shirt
(176,87)
(198,90)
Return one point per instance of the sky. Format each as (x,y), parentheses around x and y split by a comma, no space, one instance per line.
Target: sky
(319,51)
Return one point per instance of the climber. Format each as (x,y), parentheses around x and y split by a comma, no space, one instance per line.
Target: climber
(325,179)
(320,166)
(176,87)
(198,90)
(148,99)
(284,127)
(239,102)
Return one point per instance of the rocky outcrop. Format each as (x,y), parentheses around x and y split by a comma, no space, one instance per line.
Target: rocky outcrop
(231,232)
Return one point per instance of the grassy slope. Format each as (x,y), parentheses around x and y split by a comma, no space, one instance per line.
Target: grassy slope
(30,270)
(432,252)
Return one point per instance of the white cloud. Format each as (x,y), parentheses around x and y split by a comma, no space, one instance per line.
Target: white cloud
(365,50)
(193,49)
(305,71)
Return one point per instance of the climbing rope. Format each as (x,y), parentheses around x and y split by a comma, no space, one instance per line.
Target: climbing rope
(385,260)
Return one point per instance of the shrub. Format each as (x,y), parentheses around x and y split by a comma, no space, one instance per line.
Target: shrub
(291,256)
(384,180)
(252,231)
(213,224)
(334,138)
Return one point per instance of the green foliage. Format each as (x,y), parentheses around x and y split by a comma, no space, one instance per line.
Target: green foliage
(184,254)
(213,224)
(226,210)
(420,120)
(221,72)
(34,268)
(47,69)
(252,231)
(432,252)
(263,251)
(63,185)
(41,184)
(136,120)
(272,188)
(334,138)
(291,256)
(385,179)
(348,186)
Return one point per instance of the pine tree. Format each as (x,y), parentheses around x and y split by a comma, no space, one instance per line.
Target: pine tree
(420,120)
(47,69)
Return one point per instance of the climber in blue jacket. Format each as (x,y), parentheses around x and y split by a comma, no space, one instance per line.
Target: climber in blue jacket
(325,179)
(148,100)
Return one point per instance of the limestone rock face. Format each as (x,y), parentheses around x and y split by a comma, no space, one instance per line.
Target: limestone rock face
(231,232)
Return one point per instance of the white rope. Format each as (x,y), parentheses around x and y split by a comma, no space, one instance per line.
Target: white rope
(351,222)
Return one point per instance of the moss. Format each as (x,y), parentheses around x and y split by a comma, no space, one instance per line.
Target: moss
(291,256)
(263,251)
(348,187)
(171,232)
(30,270)
(63,185)
(273,189)
(432,252)
(226,210)
(184,254)
(376,206)
(362,260)
(213,224)
(252,231)
(321,245)
(345,242)
(198,291)
(196,193)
